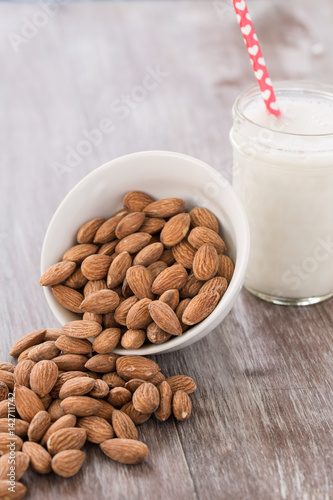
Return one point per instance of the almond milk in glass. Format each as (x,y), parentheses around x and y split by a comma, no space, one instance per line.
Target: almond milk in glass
(283,174)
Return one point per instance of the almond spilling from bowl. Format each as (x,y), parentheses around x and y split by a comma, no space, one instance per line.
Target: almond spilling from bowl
(120,268)
(57,411)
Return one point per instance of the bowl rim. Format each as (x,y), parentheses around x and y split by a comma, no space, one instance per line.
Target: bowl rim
(240,265)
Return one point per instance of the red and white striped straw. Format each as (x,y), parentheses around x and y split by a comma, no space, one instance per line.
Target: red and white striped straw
(254,51)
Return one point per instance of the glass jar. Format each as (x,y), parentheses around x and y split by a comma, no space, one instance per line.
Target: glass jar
(283,174)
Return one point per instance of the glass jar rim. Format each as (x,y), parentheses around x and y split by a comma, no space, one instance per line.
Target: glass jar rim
(305,86)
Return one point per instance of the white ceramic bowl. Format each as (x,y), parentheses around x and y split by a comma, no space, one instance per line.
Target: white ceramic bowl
(162,174)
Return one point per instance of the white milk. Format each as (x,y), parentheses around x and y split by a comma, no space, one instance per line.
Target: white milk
(283,174)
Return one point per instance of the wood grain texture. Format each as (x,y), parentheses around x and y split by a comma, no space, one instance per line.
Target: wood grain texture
(262,419)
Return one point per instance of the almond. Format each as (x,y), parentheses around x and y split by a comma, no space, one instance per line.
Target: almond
(95,267)
(100,389)
(167,257)
(156,268)
(63,377)
(146,399)
(7,378)
(71,345)
(133,339)
(77,386)
(170,297)
(52,334)
(203,217)
(108,248)
(122,310)
(102,363)
(46,400)
(18,493)
(191,287)
(226,267)
(101,302)
(39,425)
(152,226)
(201,235)
(113,380)
(109,321)
(40,459)
(133,243)
(149,254)
(87,232)
(126,290)
(184,253)
(165,408)
(175,230)
(217,284)
(62,423)
(68,297)
(205,263)
(125,451)
(138,316)
(156,335)
(181,406)
(69,362)
(106,341)
(97,429)
(92,374)
(8,439)
(22,372)
(21,465)
(94,286)
(118,269)
(123,426)
(107,231)
(156,379)
(129,224)
(21,426)
(7,367)
(133,384)
(136,201)
(181,383)
(200,307)
(70,438)
(76,279)
(167,207)
(118,396)
(3,391)
(90,316)
(137,417)
(55,410)
(27,403)
(57,273)
(30,339)
(173,277)
(106,410)
(82,329)
(165,317)
(43,376)
(129,367)
(81,406)
(5,407)
(155,239)
(25,354)
(46,350)
(67,463)
(79,253)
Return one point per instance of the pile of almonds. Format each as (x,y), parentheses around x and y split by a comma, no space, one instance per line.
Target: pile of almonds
(146,274)
(65,395)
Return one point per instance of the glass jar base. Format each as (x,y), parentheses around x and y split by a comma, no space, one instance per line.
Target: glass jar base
(284,301)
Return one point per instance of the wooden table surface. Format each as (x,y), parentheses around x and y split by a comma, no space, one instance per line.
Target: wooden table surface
(262,416)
